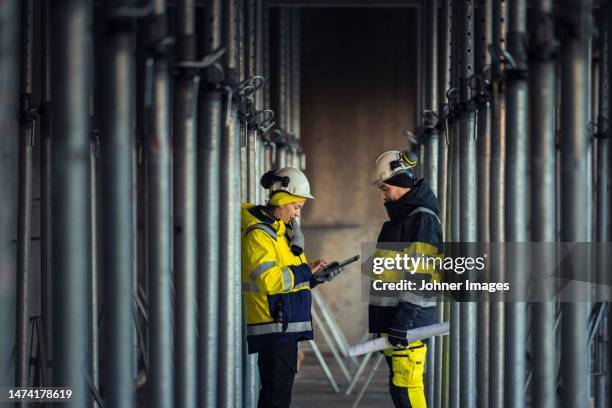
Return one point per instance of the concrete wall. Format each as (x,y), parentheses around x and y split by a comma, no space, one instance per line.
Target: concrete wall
(358,92)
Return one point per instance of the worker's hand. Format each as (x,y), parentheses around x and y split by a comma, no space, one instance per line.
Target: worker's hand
(401,323)
(318,265)
(326,274)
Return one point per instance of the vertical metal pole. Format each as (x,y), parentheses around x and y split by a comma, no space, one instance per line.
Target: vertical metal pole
(603,184)
(454,211)
(159,223)
(431,93)
(467,119)
(431,153)
(95,270)
(45,173)
(482,60)
(230,320)
(516,209)
(250,37)
(70,76)
(24,231)
(574,156)
(116,124)
(444,49)
(497,202)
(184,208)
(542,127)
(9,89)
(295,72)
(209,157)
(258,53)
(283,71)
(253,146)
(240,43)
(267,94)
(420,95)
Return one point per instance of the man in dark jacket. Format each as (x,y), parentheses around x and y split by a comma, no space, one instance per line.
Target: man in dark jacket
(414,229)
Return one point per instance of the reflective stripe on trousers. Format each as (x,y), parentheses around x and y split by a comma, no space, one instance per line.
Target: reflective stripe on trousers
(277,327)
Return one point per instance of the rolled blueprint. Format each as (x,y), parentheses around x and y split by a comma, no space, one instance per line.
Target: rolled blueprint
(381,343)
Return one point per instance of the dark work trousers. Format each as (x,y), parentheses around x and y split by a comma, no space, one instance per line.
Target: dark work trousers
(277,368)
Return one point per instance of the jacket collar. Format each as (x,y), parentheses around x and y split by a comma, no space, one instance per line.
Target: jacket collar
(419,196)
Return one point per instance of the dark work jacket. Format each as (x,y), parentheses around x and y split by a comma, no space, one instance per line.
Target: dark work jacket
(406,228)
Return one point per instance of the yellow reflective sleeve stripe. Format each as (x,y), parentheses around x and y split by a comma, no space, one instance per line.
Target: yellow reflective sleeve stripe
(287,278)
(261,268)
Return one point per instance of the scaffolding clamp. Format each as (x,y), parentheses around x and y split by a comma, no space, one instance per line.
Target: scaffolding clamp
(245,95)
(191,68)
(481,89)
(264,120)
(27,115)
(516,64)
(431,121)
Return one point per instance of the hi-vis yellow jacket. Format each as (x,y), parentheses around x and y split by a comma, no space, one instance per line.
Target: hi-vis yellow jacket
(275,282)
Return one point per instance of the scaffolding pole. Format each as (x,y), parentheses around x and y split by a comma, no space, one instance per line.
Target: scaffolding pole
(185,206)
(45,174)
(71,83)
(253,147)
(574,172)
(229,366)
(9,88)
(430,140)
(453,205)
(159,221)
(516,208)
(467,182)
(208,185)
(116,117)
(482,62)
(542,127)
(295,82)
(27,119)
(444,50)
(603,189)
(497,202)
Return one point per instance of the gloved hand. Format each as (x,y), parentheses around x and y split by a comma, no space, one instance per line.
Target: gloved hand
(323,276)
(296,238)
(401,323)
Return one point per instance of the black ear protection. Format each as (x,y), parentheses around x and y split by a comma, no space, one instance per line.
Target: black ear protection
(406,158)
(270,178)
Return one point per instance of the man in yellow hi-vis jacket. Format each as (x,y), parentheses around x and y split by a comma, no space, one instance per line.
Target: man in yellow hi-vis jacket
(276,282)
(413,229)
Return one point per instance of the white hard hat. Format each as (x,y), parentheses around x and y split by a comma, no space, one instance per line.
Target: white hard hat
(391,163)
(287,179)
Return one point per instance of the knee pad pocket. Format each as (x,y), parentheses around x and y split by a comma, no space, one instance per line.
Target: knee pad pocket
(408,365)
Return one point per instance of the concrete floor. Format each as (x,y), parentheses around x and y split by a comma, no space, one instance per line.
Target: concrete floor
(312,388)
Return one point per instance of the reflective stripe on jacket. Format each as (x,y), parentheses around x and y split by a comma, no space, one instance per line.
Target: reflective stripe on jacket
(275,283)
